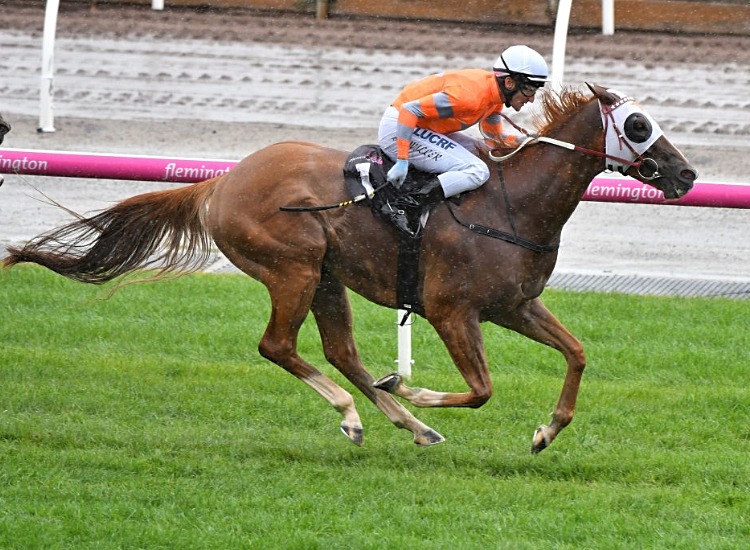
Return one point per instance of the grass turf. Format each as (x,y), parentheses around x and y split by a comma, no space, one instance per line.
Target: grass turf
(148,420)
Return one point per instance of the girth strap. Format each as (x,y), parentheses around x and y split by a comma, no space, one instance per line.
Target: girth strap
(512,238)
(507,237)
(407,274)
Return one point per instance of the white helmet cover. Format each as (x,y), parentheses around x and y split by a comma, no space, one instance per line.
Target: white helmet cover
(522,60)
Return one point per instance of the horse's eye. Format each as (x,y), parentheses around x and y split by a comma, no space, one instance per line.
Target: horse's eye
(637,128)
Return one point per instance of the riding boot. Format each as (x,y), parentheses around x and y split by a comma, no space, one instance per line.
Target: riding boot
(404,210)
(430,192)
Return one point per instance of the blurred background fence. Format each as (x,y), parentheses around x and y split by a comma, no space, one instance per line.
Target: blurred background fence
(689,16)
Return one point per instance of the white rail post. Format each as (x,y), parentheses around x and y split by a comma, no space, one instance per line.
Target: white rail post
(608,17)
(157,4)
(46,117)
(559,43)
(404,344)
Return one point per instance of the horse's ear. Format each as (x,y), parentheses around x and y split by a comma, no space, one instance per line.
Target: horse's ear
(602,94)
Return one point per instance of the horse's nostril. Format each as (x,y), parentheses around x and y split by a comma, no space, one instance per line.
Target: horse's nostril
(688,174)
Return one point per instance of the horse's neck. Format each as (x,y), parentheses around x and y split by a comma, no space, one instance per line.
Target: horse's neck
(547,182)
(572,171)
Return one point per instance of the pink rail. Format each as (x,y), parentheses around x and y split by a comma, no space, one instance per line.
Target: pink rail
(93,165)
(183,170)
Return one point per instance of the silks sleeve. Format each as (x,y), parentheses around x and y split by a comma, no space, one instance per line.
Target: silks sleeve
(433,106)
(492,129)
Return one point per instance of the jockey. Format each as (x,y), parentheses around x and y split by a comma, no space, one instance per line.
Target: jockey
(422,125)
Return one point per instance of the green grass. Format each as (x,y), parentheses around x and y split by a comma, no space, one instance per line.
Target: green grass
(149,420)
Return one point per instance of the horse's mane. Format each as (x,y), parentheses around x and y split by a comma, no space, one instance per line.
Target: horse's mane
(555,107)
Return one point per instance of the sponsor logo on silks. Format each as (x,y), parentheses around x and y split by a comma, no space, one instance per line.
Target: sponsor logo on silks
(425,150)
(435,139)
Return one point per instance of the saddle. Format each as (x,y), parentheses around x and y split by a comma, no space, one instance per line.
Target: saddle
(365,173)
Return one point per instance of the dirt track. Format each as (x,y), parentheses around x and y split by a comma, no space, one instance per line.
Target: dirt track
(223,84)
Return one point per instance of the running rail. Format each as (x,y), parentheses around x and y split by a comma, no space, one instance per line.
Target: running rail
(186,170)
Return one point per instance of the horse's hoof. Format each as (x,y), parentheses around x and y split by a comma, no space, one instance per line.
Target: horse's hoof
(540,441)
(388,383)
(428,437)
(355,434)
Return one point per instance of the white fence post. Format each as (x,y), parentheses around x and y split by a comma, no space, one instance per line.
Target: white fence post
(559,43)
(404,344)
(608,17)
(46,117)
(157,4)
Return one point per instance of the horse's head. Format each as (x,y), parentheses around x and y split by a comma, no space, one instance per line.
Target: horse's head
(637,147)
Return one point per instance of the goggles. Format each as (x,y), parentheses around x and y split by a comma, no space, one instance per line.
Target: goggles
(527,87)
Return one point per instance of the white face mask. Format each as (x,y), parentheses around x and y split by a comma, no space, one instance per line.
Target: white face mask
(630,131)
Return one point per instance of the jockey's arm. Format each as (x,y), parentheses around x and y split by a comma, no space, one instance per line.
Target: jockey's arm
(407,121)
(492,129)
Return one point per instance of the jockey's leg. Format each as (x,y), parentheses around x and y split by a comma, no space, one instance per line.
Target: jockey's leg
(450,157)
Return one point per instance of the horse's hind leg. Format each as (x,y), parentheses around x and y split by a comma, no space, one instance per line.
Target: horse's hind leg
(290,303)
(334,318)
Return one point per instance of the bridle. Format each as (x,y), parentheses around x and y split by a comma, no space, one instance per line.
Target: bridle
(612,134)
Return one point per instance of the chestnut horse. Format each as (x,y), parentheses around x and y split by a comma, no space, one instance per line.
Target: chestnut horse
(307,260)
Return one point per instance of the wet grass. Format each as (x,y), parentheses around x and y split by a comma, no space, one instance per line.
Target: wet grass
(149,421)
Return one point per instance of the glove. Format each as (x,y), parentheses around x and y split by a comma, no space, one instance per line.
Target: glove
(397,174)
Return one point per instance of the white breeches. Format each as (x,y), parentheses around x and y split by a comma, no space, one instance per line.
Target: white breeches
(450,156)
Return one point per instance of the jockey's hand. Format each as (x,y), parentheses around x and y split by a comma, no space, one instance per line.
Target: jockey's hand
(397,174)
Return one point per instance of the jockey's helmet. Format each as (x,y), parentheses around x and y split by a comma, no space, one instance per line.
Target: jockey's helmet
(525,65)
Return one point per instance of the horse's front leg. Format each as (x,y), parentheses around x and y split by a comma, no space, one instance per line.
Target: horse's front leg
(462,336)
(535,321)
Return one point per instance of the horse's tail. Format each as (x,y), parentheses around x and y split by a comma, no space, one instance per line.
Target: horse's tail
(164,230)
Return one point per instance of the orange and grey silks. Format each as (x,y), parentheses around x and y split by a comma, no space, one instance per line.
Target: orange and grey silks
(422,124)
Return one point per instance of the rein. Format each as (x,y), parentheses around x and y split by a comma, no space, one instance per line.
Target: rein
(609,118)
(504,236)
